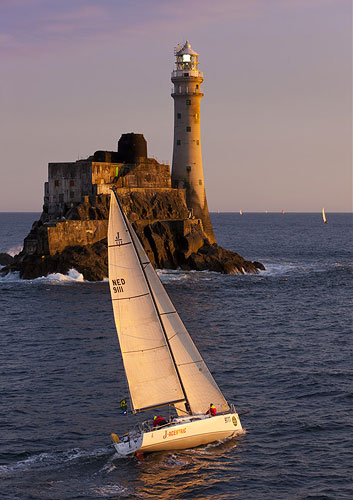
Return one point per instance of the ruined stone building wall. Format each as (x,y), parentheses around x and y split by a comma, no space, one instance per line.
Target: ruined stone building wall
(67,183)
(104,173)
(147,174)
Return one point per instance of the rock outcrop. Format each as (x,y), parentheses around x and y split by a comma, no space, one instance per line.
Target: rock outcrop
(5,259)
(160,219)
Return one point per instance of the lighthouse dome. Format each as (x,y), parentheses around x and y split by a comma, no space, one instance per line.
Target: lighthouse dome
(186,49)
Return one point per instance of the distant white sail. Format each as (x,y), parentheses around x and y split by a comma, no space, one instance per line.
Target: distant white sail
(324,216)
(150,370)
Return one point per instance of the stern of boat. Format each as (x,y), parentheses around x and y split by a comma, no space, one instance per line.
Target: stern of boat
(129,444)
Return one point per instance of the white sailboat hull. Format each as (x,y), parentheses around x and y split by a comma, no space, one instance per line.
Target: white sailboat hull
(183,433)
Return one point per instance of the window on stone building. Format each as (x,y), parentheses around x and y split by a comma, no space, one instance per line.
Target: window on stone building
(72,182)
(56,183)
(188,129)
(72,194)
(200,182)
(188,168)
(197,86)
(179,115)
(61,198)
(188,102)
(178,142)
(197,142)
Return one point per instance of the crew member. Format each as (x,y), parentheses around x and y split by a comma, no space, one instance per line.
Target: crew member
(159,421)
(212,410)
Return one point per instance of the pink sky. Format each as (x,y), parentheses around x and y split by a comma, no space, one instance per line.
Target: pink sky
(276,116)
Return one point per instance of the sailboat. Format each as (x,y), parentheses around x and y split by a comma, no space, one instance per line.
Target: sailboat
(324,216)
(163,367)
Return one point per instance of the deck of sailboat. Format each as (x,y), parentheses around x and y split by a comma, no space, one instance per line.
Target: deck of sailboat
(191,433)
(180,433)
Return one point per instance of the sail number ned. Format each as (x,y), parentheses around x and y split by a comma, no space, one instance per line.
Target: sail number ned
(118,285)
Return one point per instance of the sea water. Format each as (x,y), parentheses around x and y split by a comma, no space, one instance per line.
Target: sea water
(279,344)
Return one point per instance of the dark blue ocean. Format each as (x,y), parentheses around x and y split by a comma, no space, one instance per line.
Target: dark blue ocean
(279,345)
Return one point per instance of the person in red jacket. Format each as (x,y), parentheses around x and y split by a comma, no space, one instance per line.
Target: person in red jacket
(159,421)
(212,410)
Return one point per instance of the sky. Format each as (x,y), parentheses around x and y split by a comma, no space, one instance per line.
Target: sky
(276,117)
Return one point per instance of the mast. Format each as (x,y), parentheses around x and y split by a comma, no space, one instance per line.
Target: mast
(143,266)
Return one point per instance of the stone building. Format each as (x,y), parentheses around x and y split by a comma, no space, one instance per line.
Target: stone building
(128,167)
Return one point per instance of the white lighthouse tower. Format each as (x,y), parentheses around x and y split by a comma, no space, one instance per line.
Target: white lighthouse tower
(187,172)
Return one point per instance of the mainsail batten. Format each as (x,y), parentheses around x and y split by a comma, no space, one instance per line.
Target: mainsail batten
(152,377)
(132,297)
(198,384)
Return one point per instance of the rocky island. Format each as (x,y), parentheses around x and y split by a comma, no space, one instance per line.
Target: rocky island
(71,232)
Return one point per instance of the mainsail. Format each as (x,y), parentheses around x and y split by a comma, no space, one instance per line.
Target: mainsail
(150,371)
(197,383)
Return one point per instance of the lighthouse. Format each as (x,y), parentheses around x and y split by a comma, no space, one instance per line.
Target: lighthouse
(187,171)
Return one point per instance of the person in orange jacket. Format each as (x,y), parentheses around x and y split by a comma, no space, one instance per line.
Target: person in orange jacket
(212,410)
(159,421)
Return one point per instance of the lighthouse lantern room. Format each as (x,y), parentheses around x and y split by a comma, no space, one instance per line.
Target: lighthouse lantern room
(187,60)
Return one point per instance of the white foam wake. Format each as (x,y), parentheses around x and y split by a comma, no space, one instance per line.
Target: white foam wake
(71,276)
(172,275)
(112,490)
(43,460)
(290,268)
(273,269)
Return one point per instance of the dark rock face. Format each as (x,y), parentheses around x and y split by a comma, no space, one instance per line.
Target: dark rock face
(90,260)
(170,239)
(259,266)
(5,259)
(216,258)
(94,208)
(167,247)
(157,205)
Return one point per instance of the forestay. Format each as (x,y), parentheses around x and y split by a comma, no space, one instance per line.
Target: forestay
(150,371)
(198,384)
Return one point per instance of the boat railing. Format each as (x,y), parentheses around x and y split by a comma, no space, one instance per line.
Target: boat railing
(189,417)
(147,425)
(232,408)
